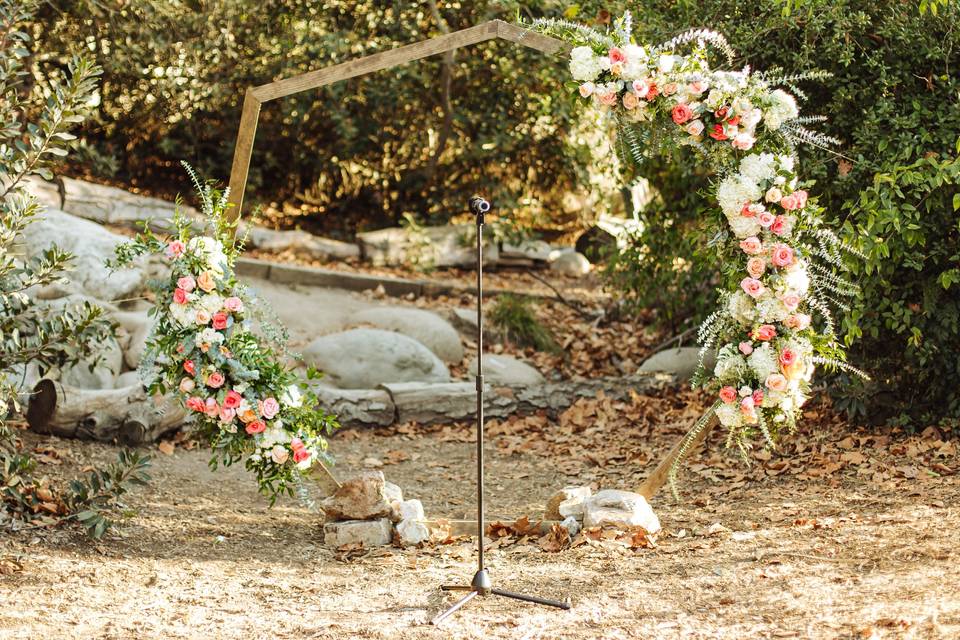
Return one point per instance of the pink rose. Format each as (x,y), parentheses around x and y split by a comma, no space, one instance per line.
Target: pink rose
(233,304)
(747,405)
(616,55)
(756,266)
(215,380)
(187,283)
(586,89)
(175,249)
(227,415)
(180,296)
(269,408)
(212,409)
(765,333)
(791,301)
(257,426)
(717,133)
(787,357)
(801,198)
(782,255)
(697,87)
(694,128)
(189,367)
(652,91)
(789,202)
(753,287)
(776,382)
(728,394)
(641,88)
(779,225)
(681,113)
(232,399)
(630,101)
(746,348)
(187,385)
(220,320)
(752,245)
(747,210)
(766,219)
(608,98)
(300,455)
(742,141)
(757,397)
(196,404)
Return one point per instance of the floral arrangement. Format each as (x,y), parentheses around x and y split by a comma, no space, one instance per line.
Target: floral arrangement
(774,324)
(239,394)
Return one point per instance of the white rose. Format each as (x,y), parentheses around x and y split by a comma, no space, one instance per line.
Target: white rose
(773,195)
(279,454)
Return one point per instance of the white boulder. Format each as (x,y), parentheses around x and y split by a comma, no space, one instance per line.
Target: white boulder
(412,531)
(566,503)
(506,370)
(619,508)
(571,264)
(681,362)
(365,358)
(369,533)
(425,327)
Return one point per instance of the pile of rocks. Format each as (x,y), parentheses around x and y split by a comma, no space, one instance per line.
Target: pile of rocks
(368,510)
(578,507)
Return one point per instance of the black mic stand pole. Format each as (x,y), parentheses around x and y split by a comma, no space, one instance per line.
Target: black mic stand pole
(481,584)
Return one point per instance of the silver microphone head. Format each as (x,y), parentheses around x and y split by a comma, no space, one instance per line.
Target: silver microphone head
(478,205)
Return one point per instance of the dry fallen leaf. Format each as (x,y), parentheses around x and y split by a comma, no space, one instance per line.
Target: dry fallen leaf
(166,447)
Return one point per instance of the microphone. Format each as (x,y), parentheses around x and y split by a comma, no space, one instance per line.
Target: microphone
(479,206)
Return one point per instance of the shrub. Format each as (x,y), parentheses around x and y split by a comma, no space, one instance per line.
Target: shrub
(514,318)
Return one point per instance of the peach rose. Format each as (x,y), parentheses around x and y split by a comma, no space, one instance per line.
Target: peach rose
(248,415)
(206,282)
(279,454)
(609,98)
(798,321)
(187,385)
(756,266)
(752,245)
(697,87)
(765,333)
(257,426)
(212,409)
(753,287)
(776,382)
(773,195)
(616,55)
(202,317)
(630,101)
(788,356)
(742,141)
(227,415)
(669,88)
(215,380)
(779,225)
(586,89)
(694,128)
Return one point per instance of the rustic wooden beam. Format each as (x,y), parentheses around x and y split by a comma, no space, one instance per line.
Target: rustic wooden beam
(255,96)
(658,478)
(242,153)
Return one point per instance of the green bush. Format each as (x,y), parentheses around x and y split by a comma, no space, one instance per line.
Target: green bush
(513,317)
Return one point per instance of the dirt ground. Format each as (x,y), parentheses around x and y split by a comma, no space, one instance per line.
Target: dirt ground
(850,536)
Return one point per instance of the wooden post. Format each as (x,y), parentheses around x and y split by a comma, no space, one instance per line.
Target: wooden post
(242,152)
(658,478)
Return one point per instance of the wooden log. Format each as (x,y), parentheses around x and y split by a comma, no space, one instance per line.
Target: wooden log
(457,528)
(658,478)
(127,415)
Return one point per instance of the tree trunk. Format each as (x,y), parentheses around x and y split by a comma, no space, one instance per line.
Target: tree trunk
(127,415)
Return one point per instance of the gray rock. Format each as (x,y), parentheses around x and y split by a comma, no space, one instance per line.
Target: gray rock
(464,320)
(537,250)
(302,242)
(681,362)
(369,533)
(134,329)
(411,510)
(111,205)
(90,245)
(412,531)
(572,525)
(506,370)
(357,407)
(107,366)
(619,508)
(571,264)
(366,358)
(568,502)
(46,193)
(362,497)
(127,379)
(428,402)
(443,246)
(425,327)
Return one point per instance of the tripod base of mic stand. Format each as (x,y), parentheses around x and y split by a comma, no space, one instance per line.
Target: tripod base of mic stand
(481,586)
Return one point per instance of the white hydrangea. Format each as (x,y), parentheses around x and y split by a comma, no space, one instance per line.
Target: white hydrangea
(182,313)
(771,398)
(584,65)
(730,365)
(782,107)
(212,302)
(729,415)
(734,191)
(208,336)
(763,361)
(742,308)
(770,309)
(758,167)
(273,436)
(292,397)
(744,227)
(714,98)
(797,280)
(636,65)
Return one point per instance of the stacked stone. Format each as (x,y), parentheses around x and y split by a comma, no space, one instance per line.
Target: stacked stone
(368,510)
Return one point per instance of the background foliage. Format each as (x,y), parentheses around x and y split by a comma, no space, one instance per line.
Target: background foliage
(371,150)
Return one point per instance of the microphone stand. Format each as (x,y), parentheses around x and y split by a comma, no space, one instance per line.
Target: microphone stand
(481,585)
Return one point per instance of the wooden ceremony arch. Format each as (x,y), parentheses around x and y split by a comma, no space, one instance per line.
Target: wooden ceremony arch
(492,30)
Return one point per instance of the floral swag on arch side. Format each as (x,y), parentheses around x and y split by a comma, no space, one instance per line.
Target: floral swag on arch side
(781,274)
